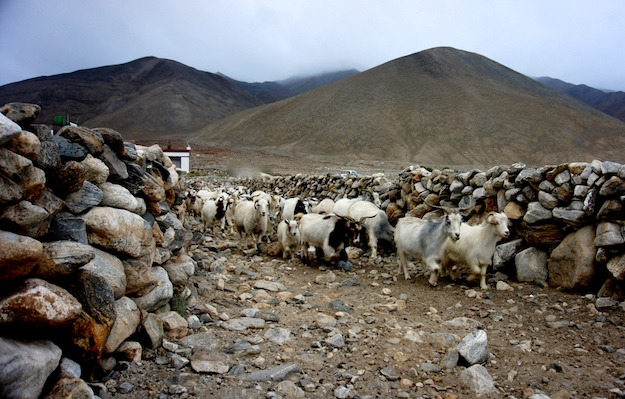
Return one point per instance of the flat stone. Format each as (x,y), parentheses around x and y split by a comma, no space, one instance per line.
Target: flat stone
(269,285)
(243,323)
(279,373)
(278,336)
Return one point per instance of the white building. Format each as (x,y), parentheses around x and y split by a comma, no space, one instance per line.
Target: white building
(180,158)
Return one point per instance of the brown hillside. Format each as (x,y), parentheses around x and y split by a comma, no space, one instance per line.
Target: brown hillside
(441,107)
(147,98)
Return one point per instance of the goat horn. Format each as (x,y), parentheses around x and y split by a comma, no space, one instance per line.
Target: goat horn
(445,208)
(366,217)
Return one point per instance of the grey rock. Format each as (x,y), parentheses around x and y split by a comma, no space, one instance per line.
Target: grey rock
(68,227)
(562,177)
(243,323)
(210,362)
(269,285)
(26,366)
(153,332)
(536,213)
(63,259)
(126,387)
(117,168)
(569,216)
(159,295)
(474,347)
(69,368)
(390,373)
(605,302)
(339,305)
(335,340)
(279,373)
(609,167)
(69,151)
(463,322)
(547,200)
(117,196)
(608,234)
(8,129)
(110,268)
(505,252)
(278,335)
(203,340)
(126,323)
(450,361)
(479,381)
(49,158)
(430,367)
(531,266)
(240,346)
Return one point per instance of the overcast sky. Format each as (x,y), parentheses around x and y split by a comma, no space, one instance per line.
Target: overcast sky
(255,41)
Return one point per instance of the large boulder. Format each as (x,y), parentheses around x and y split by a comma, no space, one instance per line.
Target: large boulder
(572,263)
(35,303)
(118,230)
(19,255)
(25,367)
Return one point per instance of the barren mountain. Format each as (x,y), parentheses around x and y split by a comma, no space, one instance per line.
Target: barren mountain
(441,107)
(612,103)
(143,99)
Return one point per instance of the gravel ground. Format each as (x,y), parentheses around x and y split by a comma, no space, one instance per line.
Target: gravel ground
(369,333)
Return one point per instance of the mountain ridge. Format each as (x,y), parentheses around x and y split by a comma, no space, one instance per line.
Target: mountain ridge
(440,106)
(611,103)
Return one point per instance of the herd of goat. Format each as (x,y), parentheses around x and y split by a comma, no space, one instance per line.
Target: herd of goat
(330,227)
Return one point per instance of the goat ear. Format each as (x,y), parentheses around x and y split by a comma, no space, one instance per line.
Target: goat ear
(491,218)
(287,221)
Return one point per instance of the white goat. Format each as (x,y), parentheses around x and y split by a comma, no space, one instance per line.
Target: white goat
(250,217)
(341,207)
(288,237)
(476,246)
(273,200)
(426,239)
(273,208)
(326,205)
(375,221)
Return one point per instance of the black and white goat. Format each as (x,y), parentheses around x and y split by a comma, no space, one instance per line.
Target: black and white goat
(329,232)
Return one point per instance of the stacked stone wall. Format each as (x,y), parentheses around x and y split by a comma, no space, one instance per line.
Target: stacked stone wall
(567,219)
(90,232)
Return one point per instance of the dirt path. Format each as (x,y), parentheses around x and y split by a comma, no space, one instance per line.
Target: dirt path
(395,335)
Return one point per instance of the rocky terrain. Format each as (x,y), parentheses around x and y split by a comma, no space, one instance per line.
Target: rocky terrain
(109,287)
(262,327)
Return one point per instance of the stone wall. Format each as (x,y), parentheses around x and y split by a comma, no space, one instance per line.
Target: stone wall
(567,220)
(88,239)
